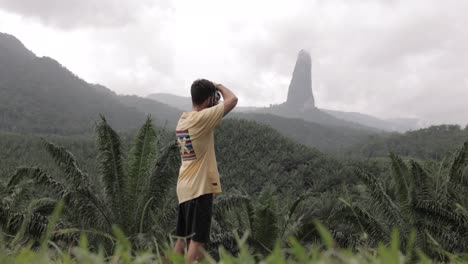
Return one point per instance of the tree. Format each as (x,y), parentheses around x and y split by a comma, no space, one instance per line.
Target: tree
(134,190)
(429,200)
(265,222)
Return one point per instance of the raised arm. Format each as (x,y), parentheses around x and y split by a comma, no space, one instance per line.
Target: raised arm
(230,99)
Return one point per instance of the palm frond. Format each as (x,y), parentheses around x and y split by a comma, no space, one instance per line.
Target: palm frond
(234,202)
(440,214)
(459,168)
(290,227)
(43,206)
(67,163)
(380,201)
(29,224)
(84,206)
(265,229)
(39,176)
(296,203)
(16,195)
(372,226)
(401,178)
(82,202)
(449,240)
(162,176)
(422,183)
(111,165)
(225,239)
(140,160)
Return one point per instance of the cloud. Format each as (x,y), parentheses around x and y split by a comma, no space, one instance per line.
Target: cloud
(389,58)
(69,14)
(131,59)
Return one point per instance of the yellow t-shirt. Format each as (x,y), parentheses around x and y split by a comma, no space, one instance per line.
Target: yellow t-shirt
(198,173)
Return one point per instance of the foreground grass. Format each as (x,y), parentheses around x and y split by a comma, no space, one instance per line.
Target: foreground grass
(48,252)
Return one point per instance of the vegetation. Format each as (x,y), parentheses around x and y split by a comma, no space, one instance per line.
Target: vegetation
(113,200)
(274,189)
(131,195)
(429,200)
(297,253)
(330,138)
(432,143)
(39,95)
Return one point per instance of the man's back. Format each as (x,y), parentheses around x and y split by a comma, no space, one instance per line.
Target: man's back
(198,176)
(198,173)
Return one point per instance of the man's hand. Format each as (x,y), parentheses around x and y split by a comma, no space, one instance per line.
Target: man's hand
(230,99)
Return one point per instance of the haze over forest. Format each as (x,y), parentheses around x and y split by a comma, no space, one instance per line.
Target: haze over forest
(389,59)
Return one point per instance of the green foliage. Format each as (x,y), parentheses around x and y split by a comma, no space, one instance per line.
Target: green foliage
(432,143)
(125,200)
(317,133)
(263,178)
(297,253)
(413,201)
(250,155)
(39,95)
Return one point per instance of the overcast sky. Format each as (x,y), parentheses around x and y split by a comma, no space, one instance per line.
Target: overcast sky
(388,58)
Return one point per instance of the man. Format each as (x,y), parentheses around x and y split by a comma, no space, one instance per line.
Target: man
(198,176)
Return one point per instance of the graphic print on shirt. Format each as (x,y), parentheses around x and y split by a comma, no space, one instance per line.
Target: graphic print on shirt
(185,145)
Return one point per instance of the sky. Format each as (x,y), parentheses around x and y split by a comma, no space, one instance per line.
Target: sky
(387,58)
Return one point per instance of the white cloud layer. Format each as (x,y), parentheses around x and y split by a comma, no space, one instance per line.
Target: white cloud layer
(390,58)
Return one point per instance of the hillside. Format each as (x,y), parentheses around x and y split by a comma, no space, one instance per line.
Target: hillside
(328,138)
(313,115)
(300,103)
(245,160)
(397,124)
(38,95)
(433,143)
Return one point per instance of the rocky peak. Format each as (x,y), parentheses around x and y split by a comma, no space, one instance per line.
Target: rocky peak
(300,89)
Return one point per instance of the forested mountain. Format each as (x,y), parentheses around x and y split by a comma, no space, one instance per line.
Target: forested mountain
(39,95)
(310,115)
(327,138)
(300,104)
(243,155)
(396,124)
(434,143)
(273,188)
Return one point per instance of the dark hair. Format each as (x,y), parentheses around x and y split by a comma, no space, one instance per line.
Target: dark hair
(200,90)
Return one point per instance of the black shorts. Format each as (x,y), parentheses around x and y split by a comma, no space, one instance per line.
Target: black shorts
(194,218)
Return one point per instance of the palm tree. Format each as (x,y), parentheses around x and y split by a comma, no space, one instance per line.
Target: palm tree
(134,191)
(24,220)
(263,220)
(429,200)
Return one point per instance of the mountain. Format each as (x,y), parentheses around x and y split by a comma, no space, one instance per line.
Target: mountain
(300,103)
(300,95)
(397,124)
(327,138)
(432,143)
(180,102)
(38,95)
(246,161)
(312,115)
